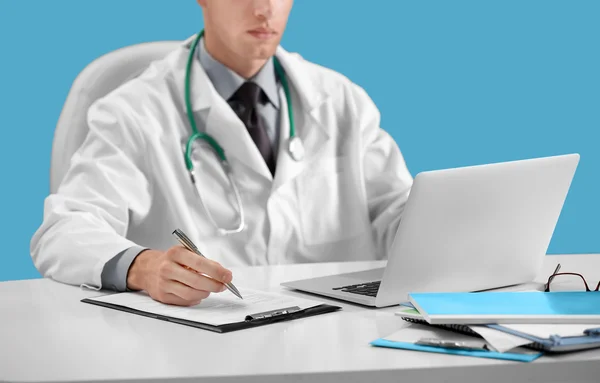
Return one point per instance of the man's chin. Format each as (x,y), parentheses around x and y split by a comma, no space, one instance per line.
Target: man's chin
(263,52)
(262,49)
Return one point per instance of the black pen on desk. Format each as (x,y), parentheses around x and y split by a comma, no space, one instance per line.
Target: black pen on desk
(188,244)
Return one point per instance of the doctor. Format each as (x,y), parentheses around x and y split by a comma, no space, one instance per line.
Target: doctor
(312,177)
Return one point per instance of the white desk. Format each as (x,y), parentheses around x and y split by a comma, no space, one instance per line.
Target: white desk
(47,334)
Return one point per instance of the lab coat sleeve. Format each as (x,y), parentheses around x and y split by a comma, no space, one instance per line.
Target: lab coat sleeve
(386,177)
(85,223)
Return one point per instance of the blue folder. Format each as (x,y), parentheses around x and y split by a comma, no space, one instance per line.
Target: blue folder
(508,307)
(453,351)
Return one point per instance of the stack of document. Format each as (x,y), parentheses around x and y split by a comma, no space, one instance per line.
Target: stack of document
(419,337)
(515,326)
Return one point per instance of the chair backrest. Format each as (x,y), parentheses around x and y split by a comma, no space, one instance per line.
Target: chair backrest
(96,80)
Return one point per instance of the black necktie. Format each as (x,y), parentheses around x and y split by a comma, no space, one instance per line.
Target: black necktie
(244,102)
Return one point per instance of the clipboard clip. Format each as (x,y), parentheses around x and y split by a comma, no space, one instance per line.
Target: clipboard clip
(272,313)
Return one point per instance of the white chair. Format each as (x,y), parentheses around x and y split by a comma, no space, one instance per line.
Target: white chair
(96,80)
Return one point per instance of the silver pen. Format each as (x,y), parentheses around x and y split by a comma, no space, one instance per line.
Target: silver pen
(462,345)
(188,244)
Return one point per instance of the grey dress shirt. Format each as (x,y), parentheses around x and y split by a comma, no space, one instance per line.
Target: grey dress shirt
(226,83)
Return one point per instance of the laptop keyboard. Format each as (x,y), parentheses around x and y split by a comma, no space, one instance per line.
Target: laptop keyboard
(369,289)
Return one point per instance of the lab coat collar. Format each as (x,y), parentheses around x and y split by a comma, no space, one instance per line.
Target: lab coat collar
(202,90)
(310,96)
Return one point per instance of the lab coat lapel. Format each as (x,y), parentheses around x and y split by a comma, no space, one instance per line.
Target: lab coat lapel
(224,126)
(307,102)
(215,117)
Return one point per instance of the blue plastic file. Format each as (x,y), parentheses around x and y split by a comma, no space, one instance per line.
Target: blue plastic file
(508,307)
(440,350)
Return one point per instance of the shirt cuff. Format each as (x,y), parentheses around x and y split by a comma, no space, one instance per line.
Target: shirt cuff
(114,274)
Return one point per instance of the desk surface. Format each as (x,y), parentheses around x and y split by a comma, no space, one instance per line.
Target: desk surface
(47,334)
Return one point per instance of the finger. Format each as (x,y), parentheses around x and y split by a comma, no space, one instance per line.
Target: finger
(185,292)
(172,299)
(202,265)
(192,279)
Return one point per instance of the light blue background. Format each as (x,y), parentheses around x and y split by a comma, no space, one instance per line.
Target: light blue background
(458,83)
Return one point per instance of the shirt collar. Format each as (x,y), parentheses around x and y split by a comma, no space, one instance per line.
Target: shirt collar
(226,81)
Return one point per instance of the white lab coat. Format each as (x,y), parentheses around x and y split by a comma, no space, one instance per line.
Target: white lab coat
(128,184)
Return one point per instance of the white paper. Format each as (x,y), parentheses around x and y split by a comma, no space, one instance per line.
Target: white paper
(413,332)
(217,309)
(409,312)
(499,340)
(547,330)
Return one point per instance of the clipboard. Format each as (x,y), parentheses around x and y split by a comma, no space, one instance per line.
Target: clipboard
(248,321)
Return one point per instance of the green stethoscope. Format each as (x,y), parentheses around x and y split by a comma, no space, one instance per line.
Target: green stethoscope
(295,147)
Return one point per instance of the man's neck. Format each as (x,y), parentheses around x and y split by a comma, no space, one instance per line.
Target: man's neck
(243,67)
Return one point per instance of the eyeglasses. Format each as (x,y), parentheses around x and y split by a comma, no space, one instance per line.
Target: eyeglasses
(572,279)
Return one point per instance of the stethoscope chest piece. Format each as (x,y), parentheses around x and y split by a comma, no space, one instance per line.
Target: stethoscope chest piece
(296,148)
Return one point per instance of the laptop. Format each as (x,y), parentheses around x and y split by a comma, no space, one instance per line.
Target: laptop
(464,229)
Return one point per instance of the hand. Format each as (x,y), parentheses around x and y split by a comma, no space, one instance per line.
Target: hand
(173,277)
